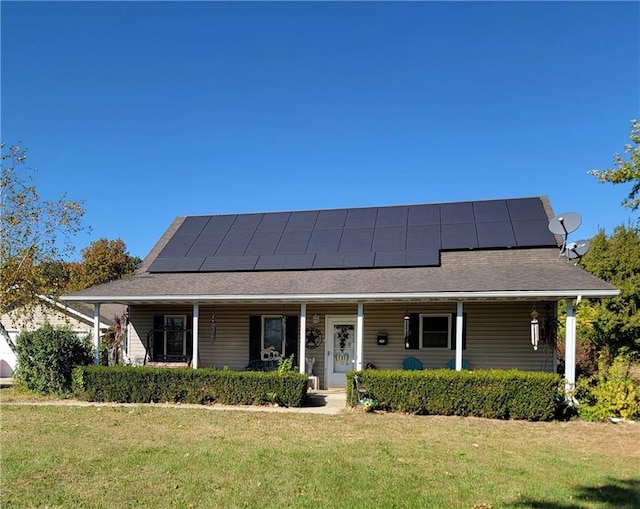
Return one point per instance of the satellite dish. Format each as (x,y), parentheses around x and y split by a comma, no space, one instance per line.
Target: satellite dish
(565,223)
(577,249)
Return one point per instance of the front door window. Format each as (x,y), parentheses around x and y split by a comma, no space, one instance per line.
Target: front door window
(175,335)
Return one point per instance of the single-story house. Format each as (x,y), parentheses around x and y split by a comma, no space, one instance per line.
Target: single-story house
(465,285)
(79,317)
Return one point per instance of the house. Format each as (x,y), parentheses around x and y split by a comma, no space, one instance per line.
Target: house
(76,315)
(467,284)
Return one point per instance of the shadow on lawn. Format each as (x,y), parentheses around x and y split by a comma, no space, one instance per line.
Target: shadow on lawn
(613,493)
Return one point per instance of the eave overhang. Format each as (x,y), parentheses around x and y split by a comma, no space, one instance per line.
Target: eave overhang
(346,298)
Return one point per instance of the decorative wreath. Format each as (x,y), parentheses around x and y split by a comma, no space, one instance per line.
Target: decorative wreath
(314,337)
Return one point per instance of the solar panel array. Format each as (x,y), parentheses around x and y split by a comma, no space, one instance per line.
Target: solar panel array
(400,236)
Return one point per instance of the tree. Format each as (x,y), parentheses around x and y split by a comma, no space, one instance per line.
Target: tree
(614,323)
(103,261)
(35,234)
(626,170)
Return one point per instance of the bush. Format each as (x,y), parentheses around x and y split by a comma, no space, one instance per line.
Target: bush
(612,392)
(494,394)
(47,357)
(129,384)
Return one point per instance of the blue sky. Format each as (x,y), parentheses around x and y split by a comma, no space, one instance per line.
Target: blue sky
(151,110)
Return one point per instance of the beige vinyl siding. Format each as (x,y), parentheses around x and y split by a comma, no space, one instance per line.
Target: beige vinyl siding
(497,334)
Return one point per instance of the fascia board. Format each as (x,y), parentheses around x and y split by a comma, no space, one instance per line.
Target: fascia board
(364,297)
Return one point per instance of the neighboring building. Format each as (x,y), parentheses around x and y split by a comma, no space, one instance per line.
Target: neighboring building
(452,284)
(79,317)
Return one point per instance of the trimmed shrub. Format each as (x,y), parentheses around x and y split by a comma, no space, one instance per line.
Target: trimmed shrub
(495,394)
(47,357)
(129,384)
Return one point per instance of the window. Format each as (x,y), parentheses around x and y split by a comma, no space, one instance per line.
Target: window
(175,335)
(273,333)
(435,331)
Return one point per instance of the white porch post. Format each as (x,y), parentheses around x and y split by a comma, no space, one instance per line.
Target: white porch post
(196,353)
(459,327)
(570,349)
(359,336)
(303,339)
(96,334)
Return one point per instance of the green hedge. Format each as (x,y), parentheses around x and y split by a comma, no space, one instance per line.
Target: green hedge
(495,394)
(128,384)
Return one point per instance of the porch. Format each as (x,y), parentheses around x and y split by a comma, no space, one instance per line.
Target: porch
(327,340)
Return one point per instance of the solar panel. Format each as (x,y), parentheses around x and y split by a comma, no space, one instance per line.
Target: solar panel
(215,263)
(189,264)
(163,265)
(234,244)
(193,225)
(456,213)
(361,218)
(263,243)
(358,260)
(205,245)
(423,237)
(299,261)
(242,263)
(495,235)
(397,236)
(274,262)
(490,211)
(459,236)
(302,221)
(275,222)
(178,246)
(219,225)
(331,219)
(391,259)
(526,209)
(328,261)
(424,215)
(392,216)
(423,258)
(323,247)
(533,233)
(246,223)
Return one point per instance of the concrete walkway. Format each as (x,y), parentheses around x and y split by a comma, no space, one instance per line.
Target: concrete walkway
(330,402)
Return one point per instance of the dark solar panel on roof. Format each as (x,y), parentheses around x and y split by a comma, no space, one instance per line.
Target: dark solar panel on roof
(459,236)
(299,261)
(218,225)
(397,236)
(193,225)
(420,215)
(456,213)
(392,216)
(490,211)
(533,233)
(526,209)
(495,235)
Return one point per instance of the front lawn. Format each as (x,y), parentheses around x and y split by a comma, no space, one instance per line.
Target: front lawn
(168,456)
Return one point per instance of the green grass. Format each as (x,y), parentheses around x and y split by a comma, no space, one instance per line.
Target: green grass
(167,456)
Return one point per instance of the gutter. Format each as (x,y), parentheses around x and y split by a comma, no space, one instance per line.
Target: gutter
(353,297)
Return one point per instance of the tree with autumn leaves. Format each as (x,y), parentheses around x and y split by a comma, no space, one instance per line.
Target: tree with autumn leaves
(37,239)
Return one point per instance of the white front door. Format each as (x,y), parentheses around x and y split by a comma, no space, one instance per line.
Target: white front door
(340,349)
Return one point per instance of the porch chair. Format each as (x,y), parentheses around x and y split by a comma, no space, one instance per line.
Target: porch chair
(452,364)
(411,364)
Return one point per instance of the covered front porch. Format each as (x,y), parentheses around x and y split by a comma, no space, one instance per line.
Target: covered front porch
(330,337)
